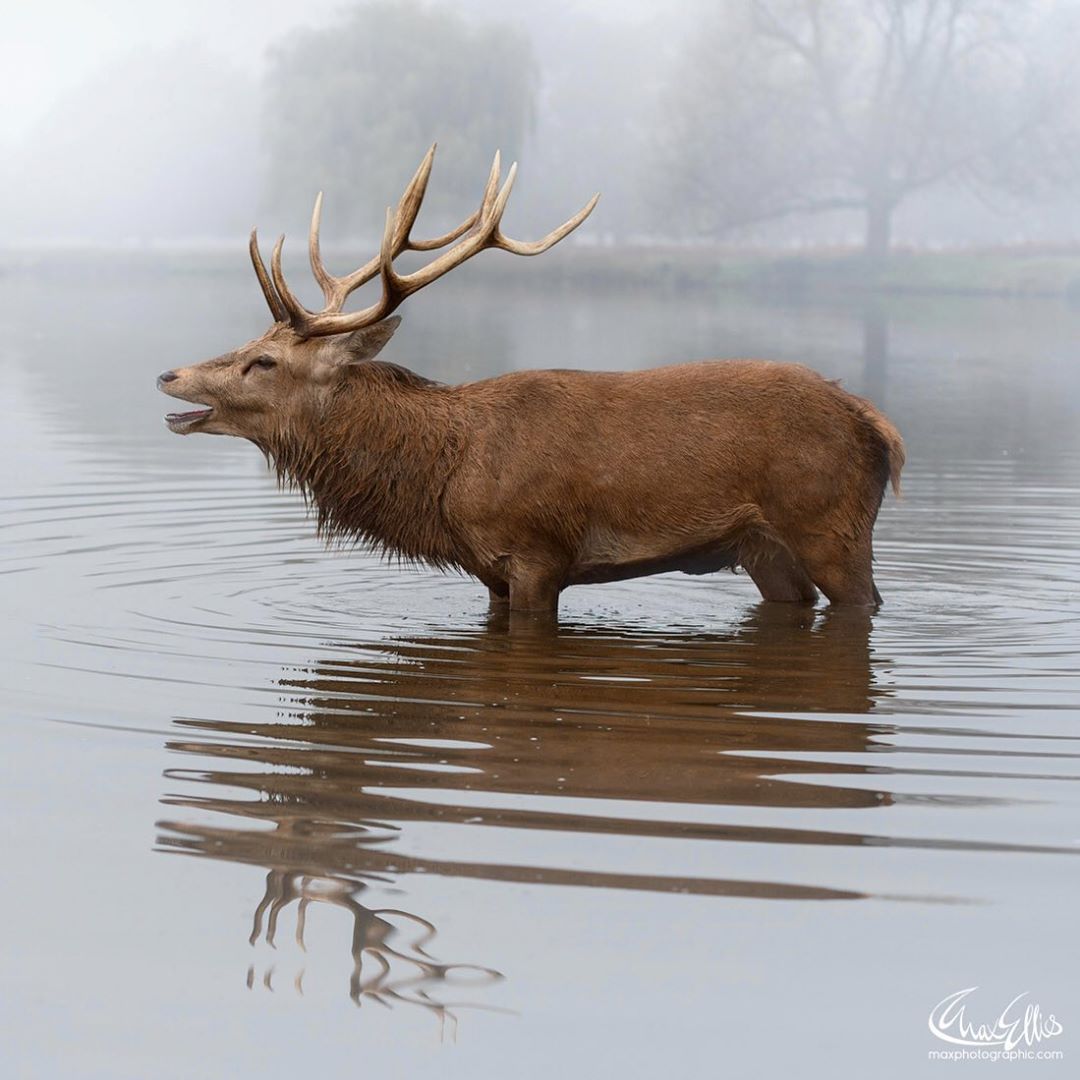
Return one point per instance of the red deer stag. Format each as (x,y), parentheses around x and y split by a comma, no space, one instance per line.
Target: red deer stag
(536,480)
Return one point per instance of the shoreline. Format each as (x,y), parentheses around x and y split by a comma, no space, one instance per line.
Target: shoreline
(1003,272)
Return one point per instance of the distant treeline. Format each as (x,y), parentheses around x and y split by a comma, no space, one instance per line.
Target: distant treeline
(776,122)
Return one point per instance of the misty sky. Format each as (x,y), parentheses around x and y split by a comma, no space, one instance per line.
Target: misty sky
(48,46)
(126,121)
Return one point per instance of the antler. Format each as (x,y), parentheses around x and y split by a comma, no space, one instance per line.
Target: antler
(480,230)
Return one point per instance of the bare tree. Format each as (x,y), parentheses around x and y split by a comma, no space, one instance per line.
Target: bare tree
(789,106)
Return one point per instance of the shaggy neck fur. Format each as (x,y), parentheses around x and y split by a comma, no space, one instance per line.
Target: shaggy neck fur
(375,461)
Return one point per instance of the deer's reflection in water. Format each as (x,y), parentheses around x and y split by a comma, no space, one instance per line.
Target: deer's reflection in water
(386,968)
(560,729)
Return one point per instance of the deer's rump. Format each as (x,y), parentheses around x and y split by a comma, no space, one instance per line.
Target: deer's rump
(695,467)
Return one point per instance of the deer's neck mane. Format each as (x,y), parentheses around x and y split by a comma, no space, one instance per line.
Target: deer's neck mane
(375,461)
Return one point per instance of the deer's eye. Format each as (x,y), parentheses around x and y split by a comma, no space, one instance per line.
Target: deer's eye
(262,363)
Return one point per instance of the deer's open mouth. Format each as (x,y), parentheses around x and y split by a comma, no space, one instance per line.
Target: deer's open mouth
(183,422)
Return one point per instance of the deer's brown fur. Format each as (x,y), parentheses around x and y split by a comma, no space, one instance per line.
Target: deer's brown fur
(542,479)
(537,480)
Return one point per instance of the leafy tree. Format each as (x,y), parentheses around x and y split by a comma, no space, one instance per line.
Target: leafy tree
(352,107)
(792,106)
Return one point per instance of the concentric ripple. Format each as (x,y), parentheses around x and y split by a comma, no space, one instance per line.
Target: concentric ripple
(343,727)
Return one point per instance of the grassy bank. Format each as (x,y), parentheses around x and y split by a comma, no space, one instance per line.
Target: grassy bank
(991,272)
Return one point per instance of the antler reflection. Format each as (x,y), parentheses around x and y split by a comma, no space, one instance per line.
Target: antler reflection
(407,977)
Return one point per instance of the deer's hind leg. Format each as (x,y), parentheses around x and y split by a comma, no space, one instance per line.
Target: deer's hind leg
(780,577)
(842,569)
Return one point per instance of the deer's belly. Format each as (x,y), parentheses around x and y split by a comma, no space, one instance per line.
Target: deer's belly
(615,558)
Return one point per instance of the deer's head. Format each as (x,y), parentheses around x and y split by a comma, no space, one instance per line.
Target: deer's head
(302,360)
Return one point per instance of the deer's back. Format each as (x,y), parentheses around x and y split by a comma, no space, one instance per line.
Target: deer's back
(625,466)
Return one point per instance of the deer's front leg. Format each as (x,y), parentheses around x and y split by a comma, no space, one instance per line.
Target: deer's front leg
(497,586)
(535,587)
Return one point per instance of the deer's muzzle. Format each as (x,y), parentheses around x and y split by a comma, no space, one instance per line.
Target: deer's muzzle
(181,422)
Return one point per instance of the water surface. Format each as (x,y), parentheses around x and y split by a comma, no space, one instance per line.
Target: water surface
(683,831)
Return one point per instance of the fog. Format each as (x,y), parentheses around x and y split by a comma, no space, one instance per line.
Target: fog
(680,824)
(783,124)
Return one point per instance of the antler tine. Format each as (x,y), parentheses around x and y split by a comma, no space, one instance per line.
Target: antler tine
(325,280)
(492,186)
(437,242)
(272,299)
(537,247)
(390,277)
(299,315)
(409,203)
(503,198)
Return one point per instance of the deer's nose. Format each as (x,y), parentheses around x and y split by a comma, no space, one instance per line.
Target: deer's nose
(166,376)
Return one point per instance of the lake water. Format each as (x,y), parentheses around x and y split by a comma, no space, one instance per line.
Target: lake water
(270,809)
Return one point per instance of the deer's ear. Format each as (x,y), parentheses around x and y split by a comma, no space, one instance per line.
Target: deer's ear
(366,344)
